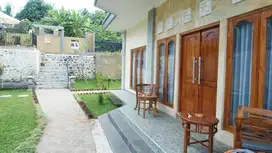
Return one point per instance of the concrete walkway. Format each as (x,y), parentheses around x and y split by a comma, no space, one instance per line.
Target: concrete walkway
(68,129)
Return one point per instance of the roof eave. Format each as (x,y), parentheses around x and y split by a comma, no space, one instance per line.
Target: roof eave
(108,20)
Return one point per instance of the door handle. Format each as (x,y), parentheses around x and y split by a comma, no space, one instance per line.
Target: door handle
(194,61)
(199,70)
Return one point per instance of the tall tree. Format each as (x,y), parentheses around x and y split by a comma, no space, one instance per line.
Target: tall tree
(34,10)
(8,8)
(75,24)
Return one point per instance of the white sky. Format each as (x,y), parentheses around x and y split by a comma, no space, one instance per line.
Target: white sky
(67,4)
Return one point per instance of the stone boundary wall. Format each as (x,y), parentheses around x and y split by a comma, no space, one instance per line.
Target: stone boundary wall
(19,63)
(81,66)
(110,65)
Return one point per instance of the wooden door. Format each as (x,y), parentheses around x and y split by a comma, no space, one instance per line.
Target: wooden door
(208,60)
(189,86)
(199,72)
(265,65)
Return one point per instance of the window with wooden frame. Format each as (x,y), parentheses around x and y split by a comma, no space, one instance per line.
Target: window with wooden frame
(166,69)
(249,63)
(137,66)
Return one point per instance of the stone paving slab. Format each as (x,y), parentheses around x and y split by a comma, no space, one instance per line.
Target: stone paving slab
(22,96)
(68,130)
(5,96)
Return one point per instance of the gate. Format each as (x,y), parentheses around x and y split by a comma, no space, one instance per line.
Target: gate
(105,46)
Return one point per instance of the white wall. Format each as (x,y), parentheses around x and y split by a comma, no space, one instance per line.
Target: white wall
(135,37)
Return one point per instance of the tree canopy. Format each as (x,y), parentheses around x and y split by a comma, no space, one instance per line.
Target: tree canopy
(96,26)
(34,10)
(77,23)
(7,9)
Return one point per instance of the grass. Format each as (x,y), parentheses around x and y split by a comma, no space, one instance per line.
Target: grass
(17,119)
(91,84)
(29,146)
(93,105)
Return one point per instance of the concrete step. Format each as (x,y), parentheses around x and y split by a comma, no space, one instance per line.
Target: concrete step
(52,85)
(53,72)
(146,138)
(114,138)
(51,80)
(132,139)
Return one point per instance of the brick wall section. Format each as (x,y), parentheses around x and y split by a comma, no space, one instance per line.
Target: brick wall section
(110,65)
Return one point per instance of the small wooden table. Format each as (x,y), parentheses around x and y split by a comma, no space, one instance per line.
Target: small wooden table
(201,125)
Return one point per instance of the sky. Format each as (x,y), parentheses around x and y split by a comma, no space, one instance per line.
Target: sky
(67,4)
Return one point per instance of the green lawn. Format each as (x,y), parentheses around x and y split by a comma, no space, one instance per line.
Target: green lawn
(92,103)
(17,119)
(91,84)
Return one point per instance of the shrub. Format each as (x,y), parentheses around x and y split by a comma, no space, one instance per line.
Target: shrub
(99,81)
(100,99)
(115,100)
(1,69)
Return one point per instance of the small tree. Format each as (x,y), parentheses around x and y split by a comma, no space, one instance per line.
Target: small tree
(1,73)
(99,81)
(100,99)
(101,86)
(1,69)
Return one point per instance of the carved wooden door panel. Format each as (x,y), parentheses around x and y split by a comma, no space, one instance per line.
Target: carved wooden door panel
(199,71)
(207,78)
(189,86)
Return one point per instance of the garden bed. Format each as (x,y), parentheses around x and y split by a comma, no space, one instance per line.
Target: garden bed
(93,107)
(21,123)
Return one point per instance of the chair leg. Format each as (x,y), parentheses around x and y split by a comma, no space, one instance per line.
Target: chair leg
(155,109)
(210,150)
(186,137)
(139,105)
(149,106)
(144,108)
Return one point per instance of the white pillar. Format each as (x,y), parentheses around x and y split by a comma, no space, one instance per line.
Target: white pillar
(123,78)
(150,46)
